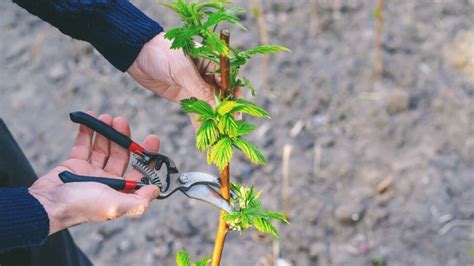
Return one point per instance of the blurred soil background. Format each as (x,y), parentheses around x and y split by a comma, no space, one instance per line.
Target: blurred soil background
(379,166)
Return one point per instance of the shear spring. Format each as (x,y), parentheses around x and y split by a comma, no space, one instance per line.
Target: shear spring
(147,171)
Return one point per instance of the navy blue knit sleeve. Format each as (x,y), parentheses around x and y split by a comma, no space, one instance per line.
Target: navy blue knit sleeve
(23,220)
(116,28)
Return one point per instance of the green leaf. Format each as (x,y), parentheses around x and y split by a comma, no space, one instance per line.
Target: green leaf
(226,15)
(204,52)
(171,6)
(182,38)
(202,118)
(227,125)
(202,262)
(208,156)
(222,153)
(207,135)
(244,128)
(264,226)
(226,107)
(237,59)
(250,108)
(251,212)
(277,216)
(195,106)
(265,49)
(232,216)
(248,85)
(250,150)
(183,258)
(216,5)
(213,41)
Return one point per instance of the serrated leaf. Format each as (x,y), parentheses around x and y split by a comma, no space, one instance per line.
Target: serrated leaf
(215,5)
(244,128)
(182,38)
(195,106)
(264,226)
(226,15)
(170,6)
(208,156)
(226,107)
(213,40)
(250,150)
(183,258)
(203,51)
(232,216)
(251,212)
(237,59)
(222,153)
(250,108)
(249,86)
(202,118)
(265,49)
(227,125)
(276,216)
(207,135)
(202,262)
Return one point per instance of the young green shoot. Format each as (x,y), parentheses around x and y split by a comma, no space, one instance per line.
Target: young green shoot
(220,132)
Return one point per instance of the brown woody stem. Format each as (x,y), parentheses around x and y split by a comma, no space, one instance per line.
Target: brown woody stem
(224,177)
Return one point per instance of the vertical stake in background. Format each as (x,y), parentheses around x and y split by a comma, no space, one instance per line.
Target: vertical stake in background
(285,179)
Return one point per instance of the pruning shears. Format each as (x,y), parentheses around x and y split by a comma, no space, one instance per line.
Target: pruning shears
(195,185)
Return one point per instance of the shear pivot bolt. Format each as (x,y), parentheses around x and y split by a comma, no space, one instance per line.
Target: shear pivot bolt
(184,178)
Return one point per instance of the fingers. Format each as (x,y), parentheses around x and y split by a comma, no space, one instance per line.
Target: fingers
(83,143)
(134,204)
(148,193)
(143,198)
(151,143)
(195,85)
(100,150)
(118,156)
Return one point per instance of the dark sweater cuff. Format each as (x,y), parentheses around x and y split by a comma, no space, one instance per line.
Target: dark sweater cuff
(124,32)
(23,220)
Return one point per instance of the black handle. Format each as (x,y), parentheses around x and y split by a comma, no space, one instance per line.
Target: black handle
(117,184)
(101,127)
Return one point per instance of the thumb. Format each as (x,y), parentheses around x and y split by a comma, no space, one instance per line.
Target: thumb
(148,193)
(197,87)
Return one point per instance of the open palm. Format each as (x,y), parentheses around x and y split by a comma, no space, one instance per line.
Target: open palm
(75,203)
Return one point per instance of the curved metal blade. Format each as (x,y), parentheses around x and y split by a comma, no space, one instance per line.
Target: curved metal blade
(209,195)
(194,178)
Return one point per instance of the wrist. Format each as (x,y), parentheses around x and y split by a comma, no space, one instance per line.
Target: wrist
(48,193)
(149,48)
(55,212)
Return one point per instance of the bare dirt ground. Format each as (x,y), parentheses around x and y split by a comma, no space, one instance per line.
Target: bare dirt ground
(347,133)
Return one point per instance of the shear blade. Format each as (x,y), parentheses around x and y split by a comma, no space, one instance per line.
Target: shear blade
(209,195)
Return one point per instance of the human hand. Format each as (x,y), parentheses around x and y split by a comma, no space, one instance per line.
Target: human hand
(75,203)
(171,74)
